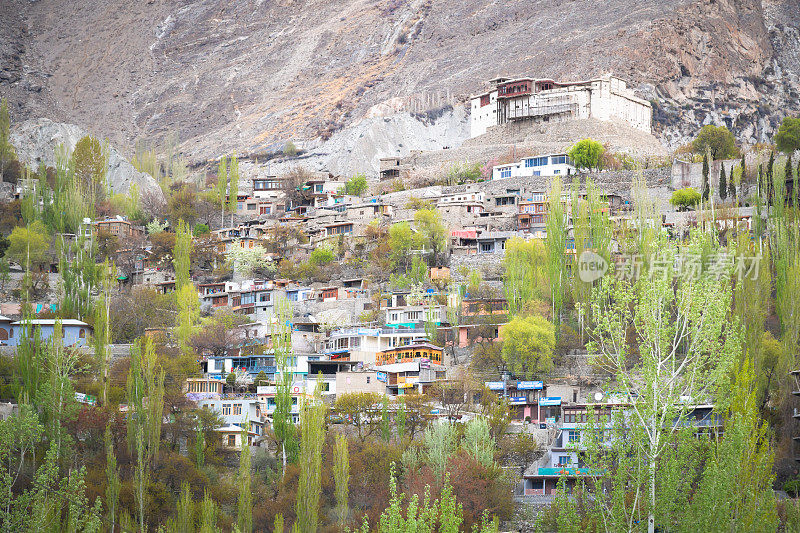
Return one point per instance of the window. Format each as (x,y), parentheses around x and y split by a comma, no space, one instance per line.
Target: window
(226,409)
(231,440)
(505,173)
(563,460)
(368,380)
(251,207)
(559,160)
(574,435)
(237,409)
(82,334)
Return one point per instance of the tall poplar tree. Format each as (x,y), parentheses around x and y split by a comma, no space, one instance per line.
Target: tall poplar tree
(309,487)
(723,182)
(113,483)
(222,187)
(282,417)
(341,477)
(145,392)
(244,503)
(233,192)
(556,243)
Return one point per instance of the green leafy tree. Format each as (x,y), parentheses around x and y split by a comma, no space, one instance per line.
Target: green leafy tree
(439,443)
(432,233)
(233,189)
(362,410)
(7,152)
(321,255)
(386,422)
(586,153)
(685,347)
(145,392)
(341,477)
(188,318)
(221,190)
(478,441)
(199,446)
(400,420)
(282,425)
(28,246)
(402,241)
(289,149)
(244,503)
(357,185)
(787,139)
(184,514)
(90,164)
(732,184)
(718,140)
(556,242)
(208,514)
(528,345)
(525,274)
(181,255)
(113,483)
(685,198)
(309,488)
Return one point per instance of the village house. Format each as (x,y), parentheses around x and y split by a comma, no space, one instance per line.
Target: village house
(119,226)
(74,333)
(544,165)
(545,100)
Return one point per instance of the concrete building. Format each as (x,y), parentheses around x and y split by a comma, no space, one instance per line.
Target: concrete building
(544,165)
(543,100)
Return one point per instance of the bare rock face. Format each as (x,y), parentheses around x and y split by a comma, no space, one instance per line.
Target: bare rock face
(36,140)
(248,76)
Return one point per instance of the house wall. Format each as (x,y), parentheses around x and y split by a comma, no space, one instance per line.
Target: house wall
(347,382)
(71,335)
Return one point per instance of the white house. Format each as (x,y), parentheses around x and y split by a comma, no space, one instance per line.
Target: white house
(543,165)
(545,100)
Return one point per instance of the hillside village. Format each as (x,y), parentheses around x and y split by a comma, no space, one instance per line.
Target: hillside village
(378,293)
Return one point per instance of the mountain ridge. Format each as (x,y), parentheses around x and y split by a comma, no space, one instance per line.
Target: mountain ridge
(251,75)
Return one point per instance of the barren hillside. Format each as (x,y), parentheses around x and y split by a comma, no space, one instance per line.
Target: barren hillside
(251,74)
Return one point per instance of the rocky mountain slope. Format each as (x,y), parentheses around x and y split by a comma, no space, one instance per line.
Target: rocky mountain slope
(252,74)
(35,142)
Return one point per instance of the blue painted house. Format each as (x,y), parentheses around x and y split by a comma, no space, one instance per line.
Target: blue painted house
(73,332)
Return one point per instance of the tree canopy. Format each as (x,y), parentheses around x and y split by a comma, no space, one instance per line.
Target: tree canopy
(528,345)
(788,137)
(685,198)
(715,139)
(586,153)
(28,244)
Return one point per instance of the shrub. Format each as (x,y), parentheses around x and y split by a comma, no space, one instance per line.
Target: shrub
(321,256)
(289,149)
(201,229)
(685,198)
